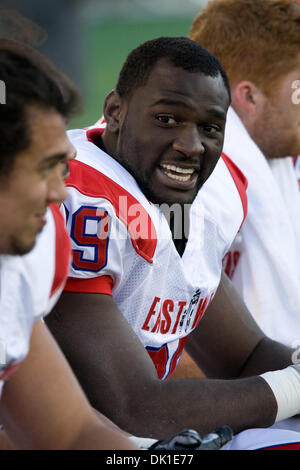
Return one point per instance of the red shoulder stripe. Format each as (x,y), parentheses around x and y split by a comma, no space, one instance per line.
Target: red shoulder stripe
(240,180)
(94,285)
(10,370)
(62,251)
(93,183)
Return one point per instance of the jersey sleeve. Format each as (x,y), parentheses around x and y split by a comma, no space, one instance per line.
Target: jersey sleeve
(240,181)
(62,251)
(98,239)
(62,257)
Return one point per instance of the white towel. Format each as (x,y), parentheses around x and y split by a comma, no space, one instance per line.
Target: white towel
(268,271)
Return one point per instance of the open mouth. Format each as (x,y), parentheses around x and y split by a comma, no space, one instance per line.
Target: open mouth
(176,173)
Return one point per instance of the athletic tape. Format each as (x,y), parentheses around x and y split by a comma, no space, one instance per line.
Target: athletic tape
(285,384)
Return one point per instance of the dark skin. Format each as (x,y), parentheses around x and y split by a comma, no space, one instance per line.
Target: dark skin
(182,115)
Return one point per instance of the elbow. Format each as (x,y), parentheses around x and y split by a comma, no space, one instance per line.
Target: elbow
(138,412)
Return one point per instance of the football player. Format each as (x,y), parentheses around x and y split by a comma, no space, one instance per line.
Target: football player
(42,405)
(138,288)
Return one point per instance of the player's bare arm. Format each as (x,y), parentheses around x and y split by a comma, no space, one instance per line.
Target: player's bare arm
(239,348)
(5,442)
(31,410)
(100,343)
(133,295)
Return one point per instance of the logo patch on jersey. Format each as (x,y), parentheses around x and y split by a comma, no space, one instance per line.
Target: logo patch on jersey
(167,316)
(173,317)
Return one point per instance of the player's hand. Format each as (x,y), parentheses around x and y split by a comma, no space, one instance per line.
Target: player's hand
(191,440)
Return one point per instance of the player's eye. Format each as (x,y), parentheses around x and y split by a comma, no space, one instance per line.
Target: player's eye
(65,170)
(46,169)
(166,119)
(209,129)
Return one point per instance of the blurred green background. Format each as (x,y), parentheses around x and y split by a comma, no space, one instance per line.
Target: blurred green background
(90,39)
(107,45)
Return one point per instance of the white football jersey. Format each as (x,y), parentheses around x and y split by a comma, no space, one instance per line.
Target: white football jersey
(122,246)
(30,286)
(296,161)
(264,260)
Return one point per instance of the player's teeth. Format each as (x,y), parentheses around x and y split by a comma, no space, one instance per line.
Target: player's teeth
(178,178)
(188,171)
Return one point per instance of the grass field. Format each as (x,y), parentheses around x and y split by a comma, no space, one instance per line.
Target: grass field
(106,46)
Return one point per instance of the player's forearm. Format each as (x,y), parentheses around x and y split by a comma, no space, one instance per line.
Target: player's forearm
(90,433)
(199,404)
(268,355)
(93,436)
(5,442)
(110,424)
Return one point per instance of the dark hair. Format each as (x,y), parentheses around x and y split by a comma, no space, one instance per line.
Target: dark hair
(29,79)
(180,51)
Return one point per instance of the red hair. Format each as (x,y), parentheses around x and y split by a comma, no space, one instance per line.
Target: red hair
(255,40)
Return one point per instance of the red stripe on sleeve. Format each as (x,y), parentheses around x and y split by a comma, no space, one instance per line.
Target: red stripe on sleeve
(62,251)
(93,183)
(10,370)
(240,180)
(94,285)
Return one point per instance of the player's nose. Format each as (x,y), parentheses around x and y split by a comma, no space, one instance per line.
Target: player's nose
(72,152)
(57,191)
(189,141)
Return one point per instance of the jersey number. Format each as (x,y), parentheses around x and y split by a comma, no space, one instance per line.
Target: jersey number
(95,243)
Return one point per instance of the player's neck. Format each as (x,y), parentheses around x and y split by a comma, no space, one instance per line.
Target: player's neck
(101,145)
(179,227)
(107,143)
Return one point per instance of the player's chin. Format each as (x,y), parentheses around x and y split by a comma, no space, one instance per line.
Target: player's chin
(162,194)
(176,197)
(23,245)
(171,191)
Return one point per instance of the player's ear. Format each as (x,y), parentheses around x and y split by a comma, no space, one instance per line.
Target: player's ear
(246,98)
(112,111)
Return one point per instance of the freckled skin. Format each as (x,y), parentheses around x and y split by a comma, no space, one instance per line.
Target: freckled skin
(276,126)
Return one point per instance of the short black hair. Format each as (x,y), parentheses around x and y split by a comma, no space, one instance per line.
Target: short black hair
(29,80)
(180,51)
